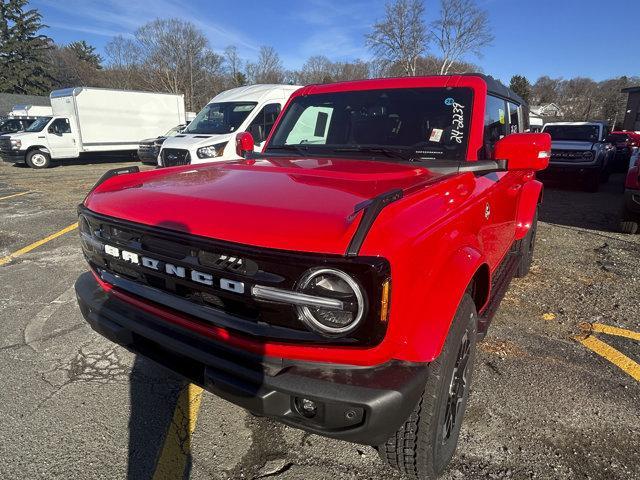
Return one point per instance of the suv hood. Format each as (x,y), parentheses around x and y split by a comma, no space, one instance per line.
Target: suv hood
(301,204)
(188,140)
(571,145)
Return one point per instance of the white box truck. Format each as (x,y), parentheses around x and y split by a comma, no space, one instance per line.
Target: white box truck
(91,121)
(31,111)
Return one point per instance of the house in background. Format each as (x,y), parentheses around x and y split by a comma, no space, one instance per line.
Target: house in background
(632,113)
(541,114)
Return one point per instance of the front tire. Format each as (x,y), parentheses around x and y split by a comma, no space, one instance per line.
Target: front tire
(629,223)
(38,159)
(423,447)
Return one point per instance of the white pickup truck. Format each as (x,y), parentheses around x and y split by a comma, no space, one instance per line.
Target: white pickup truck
(92,121)
(252,108)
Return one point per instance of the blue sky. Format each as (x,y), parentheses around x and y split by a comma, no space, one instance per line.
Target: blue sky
(559,38)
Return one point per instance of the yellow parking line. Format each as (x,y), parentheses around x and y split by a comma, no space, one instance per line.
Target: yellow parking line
(619,332)
(609,353)
(28,248)
(14,195)
(177,443)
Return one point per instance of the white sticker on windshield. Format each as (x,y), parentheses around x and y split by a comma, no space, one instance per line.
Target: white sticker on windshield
(436,135)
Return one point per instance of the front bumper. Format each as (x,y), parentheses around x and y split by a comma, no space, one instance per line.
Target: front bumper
(357,404)
(13,156)
(147,155)
(632,201)
(567,169)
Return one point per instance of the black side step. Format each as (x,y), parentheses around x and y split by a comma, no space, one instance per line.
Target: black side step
(372,209)
(499,286)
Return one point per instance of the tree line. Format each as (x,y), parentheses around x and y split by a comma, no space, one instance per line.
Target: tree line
(173,55)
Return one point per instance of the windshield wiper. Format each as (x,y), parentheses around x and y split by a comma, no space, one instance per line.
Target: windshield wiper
(388,152)
(301,149)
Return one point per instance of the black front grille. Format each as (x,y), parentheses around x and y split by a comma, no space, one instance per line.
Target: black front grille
(571,155)
(172,157)
(237,263)
(5,144)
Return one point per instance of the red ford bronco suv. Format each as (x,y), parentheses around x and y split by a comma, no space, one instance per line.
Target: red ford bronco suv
(339,280)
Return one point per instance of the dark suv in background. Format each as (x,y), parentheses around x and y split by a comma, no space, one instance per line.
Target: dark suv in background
(149,148)
(580,152)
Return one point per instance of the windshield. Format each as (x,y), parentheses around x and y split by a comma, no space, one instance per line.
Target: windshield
(38,125)
(579,133)
(174,131)
(419,123)
(218,118)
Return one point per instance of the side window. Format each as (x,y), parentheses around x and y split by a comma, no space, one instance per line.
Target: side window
(312,126)
(263,123)
(495,123)
(515,123)
(60,126)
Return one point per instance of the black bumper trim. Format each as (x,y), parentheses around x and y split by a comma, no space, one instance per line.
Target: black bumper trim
(13,157)
(358,404)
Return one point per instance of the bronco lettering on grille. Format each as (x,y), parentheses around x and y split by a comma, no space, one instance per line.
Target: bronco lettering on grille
(174,270)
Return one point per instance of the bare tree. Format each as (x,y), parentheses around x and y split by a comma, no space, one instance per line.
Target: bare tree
(124,64)
(268,68)
(461,29)
(546,90)
(234,64)
(317,69)
(401,36)
(70,67)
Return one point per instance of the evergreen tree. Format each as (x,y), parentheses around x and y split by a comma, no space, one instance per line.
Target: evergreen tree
(521,86)
(86,53)
(23,67)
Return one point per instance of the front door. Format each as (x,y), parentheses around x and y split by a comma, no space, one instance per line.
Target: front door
(62,140)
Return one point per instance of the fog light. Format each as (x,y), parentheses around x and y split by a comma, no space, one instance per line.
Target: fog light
(306,408)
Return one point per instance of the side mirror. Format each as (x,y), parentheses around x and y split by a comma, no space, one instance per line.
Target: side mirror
(524,151)
(244,144)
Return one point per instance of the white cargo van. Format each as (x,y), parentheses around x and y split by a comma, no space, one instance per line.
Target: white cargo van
(210,136)
(31,111)
(91,121)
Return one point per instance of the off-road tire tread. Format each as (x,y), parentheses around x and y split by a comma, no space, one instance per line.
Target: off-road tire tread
(407,450)
(401,451)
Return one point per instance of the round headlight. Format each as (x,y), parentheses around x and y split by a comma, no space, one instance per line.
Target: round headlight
(334,284)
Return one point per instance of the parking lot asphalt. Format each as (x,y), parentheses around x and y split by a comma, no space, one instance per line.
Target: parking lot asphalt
(548,400)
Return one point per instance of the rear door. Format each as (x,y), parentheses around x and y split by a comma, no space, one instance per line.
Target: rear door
(61,138)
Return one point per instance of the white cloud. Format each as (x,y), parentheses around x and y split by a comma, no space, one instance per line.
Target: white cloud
(125,16)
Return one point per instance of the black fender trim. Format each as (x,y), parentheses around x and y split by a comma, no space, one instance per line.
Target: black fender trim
(372,209)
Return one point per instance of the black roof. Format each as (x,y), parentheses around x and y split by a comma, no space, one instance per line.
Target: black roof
(498,88)
(630,90)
